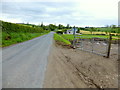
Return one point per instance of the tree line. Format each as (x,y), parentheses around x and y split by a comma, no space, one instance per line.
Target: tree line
(12,27)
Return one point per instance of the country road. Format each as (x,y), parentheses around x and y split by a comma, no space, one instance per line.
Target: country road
(24,64)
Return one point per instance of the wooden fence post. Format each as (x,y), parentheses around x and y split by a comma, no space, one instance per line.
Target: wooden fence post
(109,46)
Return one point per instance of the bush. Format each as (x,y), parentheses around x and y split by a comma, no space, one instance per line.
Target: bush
(11,27)
(15,33)
(59,32)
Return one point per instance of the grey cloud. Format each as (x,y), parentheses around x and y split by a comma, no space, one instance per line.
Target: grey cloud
(36,12)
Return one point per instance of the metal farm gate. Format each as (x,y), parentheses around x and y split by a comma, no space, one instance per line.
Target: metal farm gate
(100,46)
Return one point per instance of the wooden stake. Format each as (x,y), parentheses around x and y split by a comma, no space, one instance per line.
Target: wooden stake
(109,46)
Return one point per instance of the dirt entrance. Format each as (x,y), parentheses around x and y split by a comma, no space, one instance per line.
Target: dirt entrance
(71,68)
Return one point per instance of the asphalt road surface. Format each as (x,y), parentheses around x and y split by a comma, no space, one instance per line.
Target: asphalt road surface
(24,64)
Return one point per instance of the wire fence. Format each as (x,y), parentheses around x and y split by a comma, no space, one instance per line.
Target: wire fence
(100,46)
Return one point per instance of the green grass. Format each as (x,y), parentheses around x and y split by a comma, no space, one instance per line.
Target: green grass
(13,37)
(15,33)
(61,39)
(86,36)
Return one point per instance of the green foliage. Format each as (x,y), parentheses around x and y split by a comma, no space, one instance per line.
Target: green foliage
(15,33)
(52,27)
(81,28)
(42,24)
(89,36)
(68,36)
(13,37)
(59,32)
(61,39)
(78,31)
(107,29)
(92,29)
(62,31)
(61,26)
(11,27)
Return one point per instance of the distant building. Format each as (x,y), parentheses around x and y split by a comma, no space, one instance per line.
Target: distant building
(71,31)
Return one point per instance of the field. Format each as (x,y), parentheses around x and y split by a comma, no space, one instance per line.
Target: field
(88,32)
(87,36)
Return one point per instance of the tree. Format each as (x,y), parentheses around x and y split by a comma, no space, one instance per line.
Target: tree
(113,26)
(78,31)
(52,27)
(60,26)
(42,24)
(68,26)
(92,29)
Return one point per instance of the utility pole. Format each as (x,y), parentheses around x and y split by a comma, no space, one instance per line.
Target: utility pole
(74,37)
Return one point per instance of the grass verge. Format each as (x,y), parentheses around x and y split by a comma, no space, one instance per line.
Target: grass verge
(14,37)
(59,38)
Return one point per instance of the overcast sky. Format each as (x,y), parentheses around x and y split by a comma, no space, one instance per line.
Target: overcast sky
(74,12)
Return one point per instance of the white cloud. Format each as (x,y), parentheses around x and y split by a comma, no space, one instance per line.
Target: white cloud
(38,0)
(74,12)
